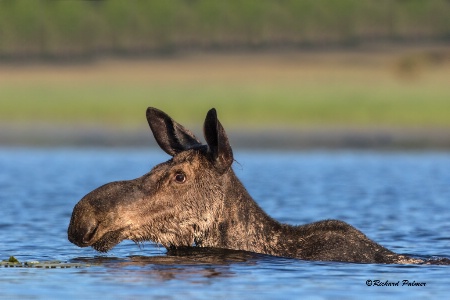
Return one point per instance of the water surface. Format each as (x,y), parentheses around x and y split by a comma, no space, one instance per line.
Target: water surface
(399,199)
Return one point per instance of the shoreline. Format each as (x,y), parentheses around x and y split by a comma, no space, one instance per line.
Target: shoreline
(300,138)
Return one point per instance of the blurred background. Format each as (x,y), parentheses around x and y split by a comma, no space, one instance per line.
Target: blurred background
(282,74)
(78,76)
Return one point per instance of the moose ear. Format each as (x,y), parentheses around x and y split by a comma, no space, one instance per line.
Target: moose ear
(219,148)
(170,136)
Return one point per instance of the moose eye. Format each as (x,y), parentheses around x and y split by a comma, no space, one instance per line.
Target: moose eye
(180,177)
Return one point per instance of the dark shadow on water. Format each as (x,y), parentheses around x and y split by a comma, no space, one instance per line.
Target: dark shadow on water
(186,257)
(185,264)
(183,256)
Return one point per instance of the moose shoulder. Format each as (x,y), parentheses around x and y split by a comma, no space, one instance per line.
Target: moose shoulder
(195,199)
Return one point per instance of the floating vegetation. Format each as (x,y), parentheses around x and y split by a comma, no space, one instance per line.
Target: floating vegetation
(13,262)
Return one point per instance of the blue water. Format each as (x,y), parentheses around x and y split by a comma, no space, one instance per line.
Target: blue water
(399,199)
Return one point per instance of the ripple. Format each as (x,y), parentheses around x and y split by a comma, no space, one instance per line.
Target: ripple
(398,199)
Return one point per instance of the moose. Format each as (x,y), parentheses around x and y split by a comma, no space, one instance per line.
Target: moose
(196,200)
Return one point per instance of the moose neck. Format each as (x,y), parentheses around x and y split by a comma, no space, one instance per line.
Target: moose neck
(245,226)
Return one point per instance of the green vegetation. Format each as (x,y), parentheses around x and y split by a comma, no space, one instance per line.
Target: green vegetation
(248,92)
(42,265)
(262,91)
(49,29)
(12,259)
(13,262)
(394,105)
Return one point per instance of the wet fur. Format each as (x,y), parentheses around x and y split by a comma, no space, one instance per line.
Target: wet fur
(211,208)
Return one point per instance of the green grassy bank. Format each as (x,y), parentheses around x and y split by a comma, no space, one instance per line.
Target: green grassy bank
(290,89)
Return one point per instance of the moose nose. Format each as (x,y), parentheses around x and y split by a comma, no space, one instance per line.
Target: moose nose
(83,226)
(92,214)
(82,234)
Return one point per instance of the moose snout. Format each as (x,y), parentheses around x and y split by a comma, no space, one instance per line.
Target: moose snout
(101,211)
(82,236)
(83,227)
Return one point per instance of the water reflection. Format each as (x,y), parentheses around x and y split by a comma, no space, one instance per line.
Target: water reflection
(179,264)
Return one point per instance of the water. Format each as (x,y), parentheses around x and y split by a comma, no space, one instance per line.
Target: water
(398,199)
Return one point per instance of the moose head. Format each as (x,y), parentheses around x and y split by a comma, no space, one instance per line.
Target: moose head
(176,204)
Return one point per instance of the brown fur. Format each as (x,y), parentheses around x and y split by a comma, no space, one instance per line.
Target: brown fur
(195,199)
